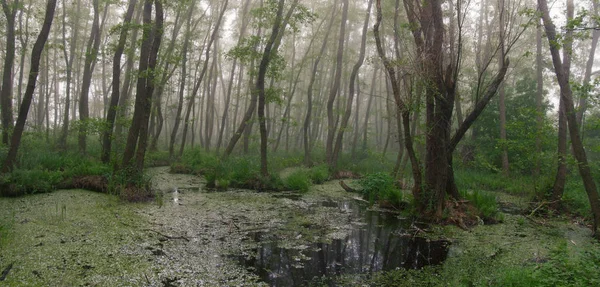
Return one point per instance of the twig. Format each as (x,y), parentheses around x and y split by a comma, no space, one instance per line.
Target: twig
(169,237)
(5,272)
(542,204)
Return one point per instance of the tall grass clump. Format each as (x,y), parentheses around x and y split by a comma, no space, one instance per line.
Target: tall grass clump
(484,201)
(298,180)
(319,174)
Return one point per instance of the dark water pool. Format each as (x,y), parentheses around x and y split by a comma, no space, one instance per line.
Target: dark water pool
(382,242)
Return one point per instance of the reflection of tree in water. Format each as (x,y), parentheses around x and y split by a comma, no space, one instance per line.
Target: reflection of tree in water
(377,245)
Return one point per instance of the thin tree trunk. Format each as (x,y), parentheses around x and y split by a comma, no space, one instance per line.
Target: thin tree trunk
(7,76)
(313,77)
(335,88)
(368,111)
(69,68)
(36,53)
(90,58)
(243,29)
(184,52)
(202,73)
(539,96)
(561,174)
(400,106)
(588,69)
(116,82)
(567,96)
(361,58)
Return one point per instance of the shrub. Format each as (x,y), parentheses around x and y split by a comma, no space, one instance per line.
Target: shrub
(381,187)
(298,180)
(21,182)
(484,201)
(319,174)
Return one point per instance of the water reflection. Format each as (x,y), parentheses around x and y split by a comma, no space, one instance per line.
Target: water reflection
(381,243)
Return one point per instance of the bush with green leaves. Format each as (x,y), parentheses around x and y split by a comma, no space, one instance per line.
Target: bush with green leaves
(298,180)
(319,174)
(381,187)
(22,181)
(484,201)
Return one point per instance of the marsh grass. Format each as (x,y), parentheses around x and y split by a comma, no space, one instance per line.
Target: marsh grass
(298,180)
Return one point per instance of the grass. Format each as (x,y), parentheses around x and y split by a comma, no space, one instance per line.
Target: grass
(485,202)
(298,180)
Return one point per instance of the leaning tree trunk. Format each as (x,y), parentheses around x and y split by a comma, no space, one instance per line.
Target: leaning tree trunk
(36,53)
(566,95)
(116,82)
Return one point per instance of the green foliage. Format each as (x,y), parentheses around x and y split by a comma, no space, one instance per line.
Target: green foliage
(367,162)
(428,276)
(130,185)
(157,158)
(484,201)
(476,179)
(21,181)
(298,180)
(319,174)
(562,270)
(523,131)
(575,198)
(377,187)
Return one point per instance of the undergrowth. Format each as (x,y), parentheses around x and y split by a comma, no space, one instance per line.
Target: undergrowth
(381,188)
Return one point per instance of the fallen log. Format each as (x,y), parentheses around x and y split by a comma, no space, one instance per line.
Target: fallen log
(347,188)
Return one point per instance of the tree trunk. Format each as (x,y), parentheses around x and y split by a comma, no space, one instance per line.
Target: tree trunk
(7,76)
(202,73)
(309,93)
(567,96)
(138,132)
(62,142)
(588,69)
(90,58)
(335,88)
(24,39)
(184,52)
(561,175)
(271,47)
(116,82)
(353,82)
(539,96)
(36,53)
(244,16)
(401,107)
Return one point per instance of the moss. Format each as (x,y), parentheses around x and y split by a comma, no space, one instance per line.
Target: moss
(72,237)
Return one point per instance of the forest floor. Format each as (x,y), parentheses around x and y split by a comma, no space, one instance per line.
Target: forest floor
(190,236)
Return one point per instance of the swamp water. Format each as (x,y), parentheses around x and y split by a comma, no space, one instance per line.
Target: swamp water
(379,241)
